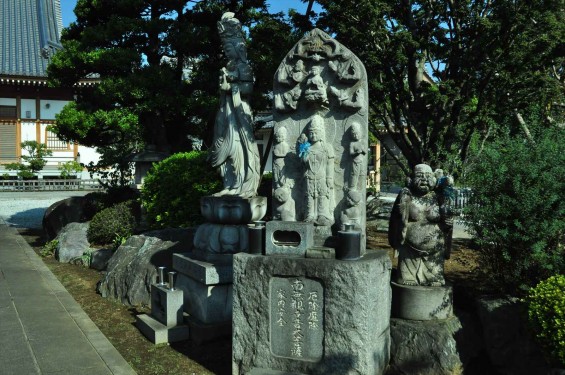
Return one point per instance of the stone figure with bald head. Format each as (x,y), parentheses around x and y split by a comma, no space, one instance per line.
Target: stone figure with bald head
(419,230)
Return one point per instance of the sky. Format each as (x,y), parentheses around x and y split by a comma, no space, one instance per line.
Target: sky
(67,7)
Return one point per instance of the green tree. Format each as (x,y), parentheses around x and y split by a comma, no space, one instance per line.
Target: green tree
(444,73)
(33,159)
(156,63)
(70,168)
(517,211)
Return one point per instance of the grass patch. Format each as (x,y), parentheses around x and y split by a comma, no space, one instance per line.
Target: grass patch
(116,322)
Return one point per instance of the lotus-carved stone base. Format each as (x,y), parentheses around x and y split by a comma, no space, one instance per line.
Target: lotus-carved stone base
(233,209)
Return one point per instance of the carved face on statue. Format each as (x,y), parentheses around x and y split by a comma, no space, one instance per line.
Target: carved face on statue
(280,135)
(316,130)
(424,180)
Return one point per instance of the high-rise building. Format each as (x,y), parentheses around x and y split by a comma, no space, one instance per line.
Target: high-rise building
(30,32)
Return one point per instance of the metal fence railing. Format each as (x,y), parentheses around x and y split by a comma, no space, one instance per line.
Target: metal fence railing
(50,185)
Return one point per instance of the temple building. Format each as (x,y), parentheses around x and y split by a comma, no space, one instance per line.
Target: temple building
(30,32)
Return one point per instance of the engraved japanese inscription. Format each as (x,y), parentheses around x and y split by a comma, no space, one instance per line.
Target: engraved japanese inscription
(296,318)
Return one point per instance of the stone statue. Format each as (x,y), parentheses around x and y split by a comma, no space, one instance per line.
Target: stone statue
(318,160)
(352,212)
(316,89)
(320,89)
(418,230)
(280,150)
(234,150)
(357,151)
(285,211)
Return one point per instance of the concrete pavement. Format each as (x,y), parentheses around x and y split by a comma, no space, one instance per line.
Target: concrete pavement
(43,330)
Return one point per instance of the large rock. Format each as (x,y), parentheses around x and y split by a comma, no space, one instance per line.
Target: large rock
(434,347)
(59,214)
(72,242)
(132,269)
(100,259)
(508,342)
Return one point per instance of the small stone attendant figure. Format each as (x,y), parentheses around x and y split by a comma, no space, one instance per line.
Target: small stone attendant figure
(285,211)
(357,151)
(316,90)
(280,150)
(318,160)
(234,150)
(351,213)
(418,231)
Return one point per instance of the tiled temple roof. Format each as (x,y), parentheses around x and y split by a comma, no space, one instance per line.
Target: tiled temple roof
(30,32)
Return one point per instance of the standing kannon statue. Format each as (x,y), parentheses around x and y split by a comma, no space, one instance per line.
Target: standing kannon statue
(234,150)
(318,161)
(420,229)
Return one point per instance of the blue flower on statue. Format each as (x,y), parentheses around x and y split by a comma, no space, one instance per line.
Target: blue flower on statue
(446,186)
(303,149)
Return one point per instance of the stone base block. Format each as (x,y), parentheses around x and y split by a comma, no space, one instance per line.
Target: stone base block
(311,316)
(435,347)
(202,332)
(166,305)
(421,302)
(210,272)
(207,303)
(158,333)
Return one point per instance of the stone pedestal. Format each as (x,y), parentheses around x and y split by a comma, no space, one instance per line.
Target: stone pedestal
(435,347)
(421,302)
(207,287)
(311,316)
(166,322)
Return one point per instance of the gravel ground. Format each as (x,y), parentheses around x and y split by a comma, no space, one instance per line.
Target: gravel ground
(26,209)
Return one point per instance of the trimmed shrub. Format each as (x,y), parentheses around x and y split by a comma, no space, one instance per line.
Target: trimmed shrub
(517,210)
(546,313)
(111,223)
(172,190)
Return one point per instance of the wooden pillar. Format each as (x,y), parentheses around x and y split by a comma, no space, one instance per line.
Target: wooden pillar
(38,119)
(18,126)
(377,164)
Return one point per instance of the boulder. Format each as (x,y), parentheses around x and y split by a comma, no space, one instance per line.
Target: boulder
(434,347)
(100,259)
(72,242)
(132,268)
(59,214)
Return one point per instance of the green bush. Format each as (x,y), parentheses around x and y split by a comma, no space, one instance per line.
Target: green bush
(49,248)
(70,169)
(113,222)
(172,190)
(517,209)
(546,313)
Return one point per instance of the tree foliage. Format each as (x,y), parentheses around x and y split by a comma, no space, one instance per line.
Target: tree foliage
(517,211)
(33,159)
(443,73)
(157,64)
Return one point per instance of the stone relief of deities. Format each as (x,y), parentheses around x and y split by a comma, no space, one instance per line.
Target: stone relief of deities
(320,87)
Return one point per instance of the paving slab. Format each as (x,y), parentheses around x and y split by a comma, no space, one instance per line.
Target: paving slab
(43,330)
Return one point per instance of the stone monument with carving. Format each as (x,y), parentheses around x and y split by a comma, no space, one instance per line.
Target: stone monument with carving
(316,301)
(420,232)
(321,101)
(205,274)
